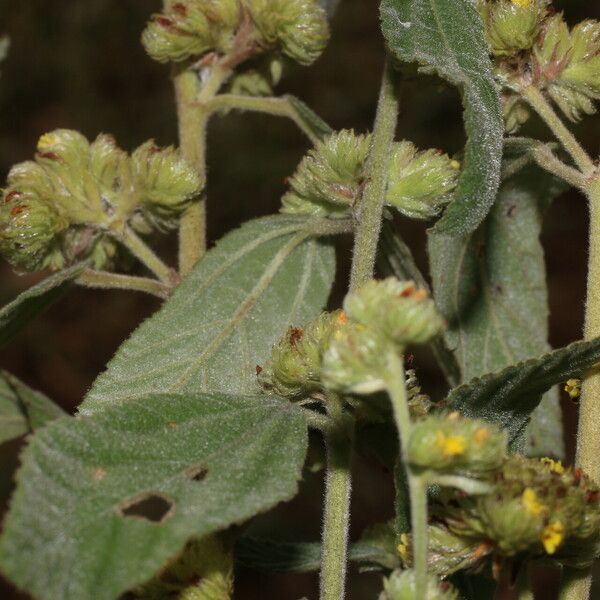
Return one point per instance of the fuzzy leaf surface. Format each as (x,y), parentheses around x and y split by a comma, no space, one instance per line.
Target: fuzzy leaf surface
(76,529)
(224,318)
(509,396)
(447,37)
(22,410)
(15,315)
(491,287)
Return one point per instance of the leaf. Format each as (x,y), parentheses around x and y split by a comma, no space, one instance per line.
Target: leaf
(302,557)
(14,316)
(103,502)
(447,36)
(509,396)
(491,287)
(311,119)
(224,318)
(22,410)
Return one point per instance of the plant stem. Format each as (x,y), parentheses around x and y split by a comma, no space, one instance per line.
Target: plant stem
(417,485)
(588,441)
(146,256)
(275,106)
(548,161)
(543,108)
(106,281)
(370,207)
(193,114)
(576,584)
(336,520)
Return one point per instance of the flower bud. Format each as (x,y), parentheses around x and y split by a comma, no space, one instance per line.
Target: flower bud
(251,83)
(294,369)
(420,183)
(299,27)
(568,63)
(166,183)
(401,585)
(329,179)
(190,28)
(396,310)
(451,444)
(29,227)
(516,112)
(352,363)
(512,25)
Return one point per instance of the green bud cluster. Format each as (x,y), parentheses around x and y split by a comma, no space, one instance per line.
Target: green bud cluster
(535,507)
(58,207)
(447,552)
(330,179)
(512,26)
(401,585)
(567,63)
(420,183)
(294,369)
(516,112)
(451,444)
(187,29)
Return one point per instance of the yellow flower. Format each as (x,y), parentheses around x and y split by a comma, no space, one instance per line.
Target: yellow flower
(451,445)
(403,547)
(530,500)
(573,388)
(555,466)
(455,164)
(552,536)
(47,141)
(522,3)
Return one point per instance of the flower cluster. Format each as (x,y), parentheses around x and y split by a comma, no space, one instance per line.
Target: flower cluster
(532,45)
(189,29)
(61,206)
(401,585)
(330,178)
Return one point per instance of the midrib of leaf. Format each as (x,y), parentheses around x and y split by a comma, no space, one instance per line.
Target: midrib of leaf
(243,309)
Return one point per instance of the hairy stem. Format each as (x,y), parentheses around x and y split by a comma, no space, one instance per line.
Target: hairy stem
(193,115)
(275,106)
(548,161)
(417,485)
(370,207)
(588,440)
(147,257)
(107,281)
(336,520)
(538,102)
(576,584)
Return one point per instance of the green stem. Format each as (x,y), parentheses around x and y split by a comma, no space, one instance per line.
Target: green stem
(370,207)
(275,106)
(193,115)
(576,584)
(539,103)
(417,485)
(147,257)
(588,440)
(548,161)
(107,281)
(336,520)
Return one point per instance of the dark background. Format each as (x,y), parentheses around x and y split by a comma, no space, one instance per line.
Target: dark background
(78,64)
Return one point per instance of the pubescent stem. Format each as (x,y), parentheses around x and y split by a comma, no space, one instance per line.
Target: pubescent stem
(275,106)
(588,441)
(548,161)
(576,584)
(542,107)
(116,281)
(370,206)
(193,114)
(146,256)
(336,519)
(417,485)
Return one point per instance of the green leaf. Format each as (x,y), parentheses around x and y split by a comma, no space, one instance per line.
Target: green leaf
(311,119)
(509,396)
(103,502)
(491,287)
(14,316)
(447,36)
(22,410)
(223,320)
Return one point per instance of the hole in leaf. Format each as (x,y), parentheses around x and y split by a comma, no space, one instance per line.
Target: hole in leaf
(197,473)
(148,506)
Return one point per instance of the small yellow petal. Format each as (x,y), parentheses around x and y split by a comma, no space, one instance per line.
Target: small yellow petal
(47,141)
(451,445)
(455,164)
(554,465)
(552,536)
(522,3)
(403,547)
(530,500)
(573,388)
